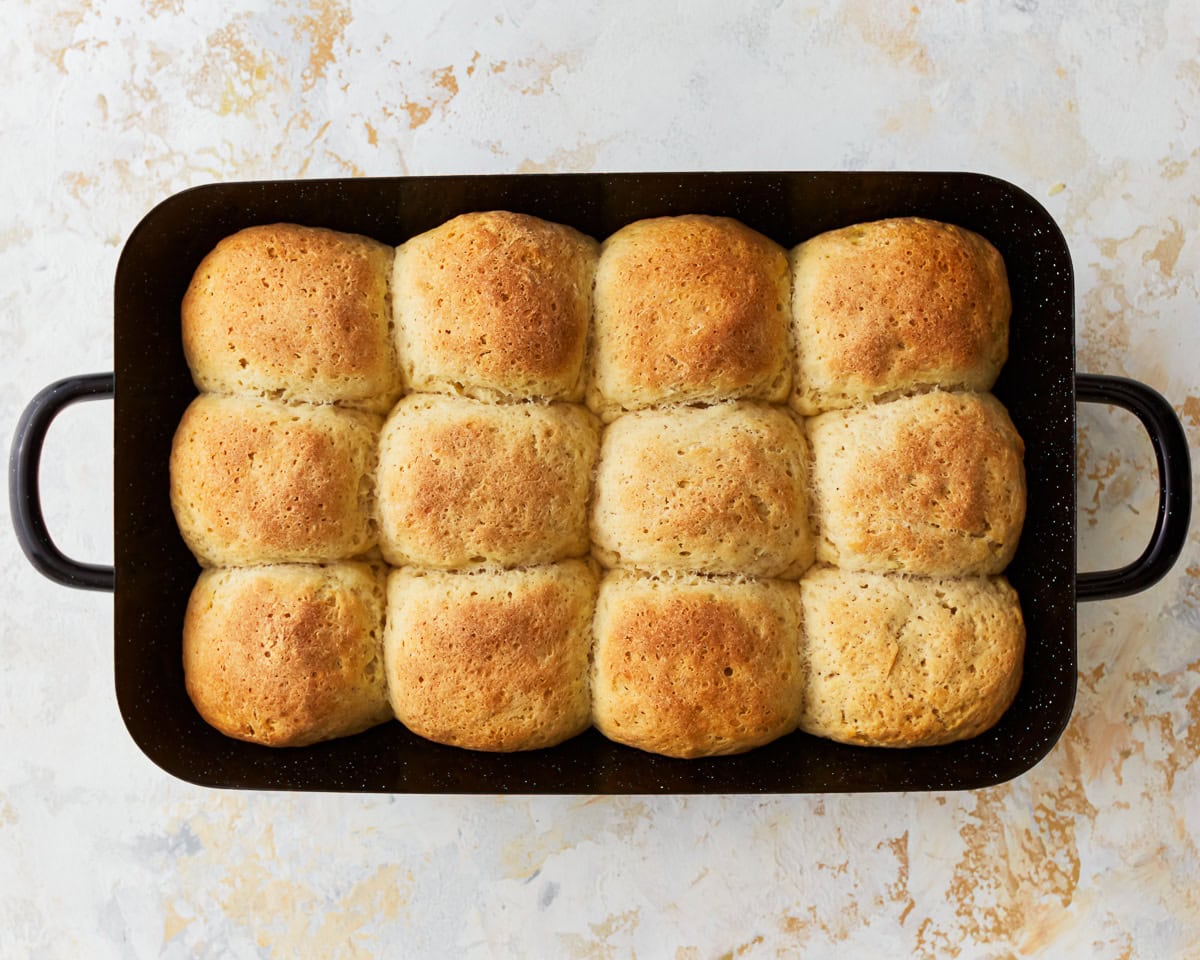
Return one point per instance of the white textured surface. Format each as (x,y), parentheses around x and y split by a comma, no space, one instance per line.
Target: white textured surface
(109,107)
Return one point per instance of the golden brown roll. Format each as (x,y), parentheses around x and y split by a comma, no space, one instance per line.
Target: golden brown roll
(287,655)
(463,483)
(892,306)
(293,313)
(491,660)
(495,305)
(722,489)
(258,482)
(689,308)
(688,666)
(932,484)
(894,661)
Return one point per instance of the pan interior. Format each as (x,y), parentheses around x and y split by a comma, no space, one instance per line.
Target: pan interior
(155,572)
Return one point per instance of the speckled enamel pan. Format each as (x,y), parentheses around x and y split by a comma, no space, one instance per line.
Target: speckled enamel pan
(154,572)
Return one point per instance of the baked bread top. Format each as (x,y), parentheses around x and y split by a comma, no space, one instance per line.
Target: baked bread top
(257,482)
(690,666)
(932,484)
(293,313)
(478,485)
(721,489)
(901,662)
(689,308)
(892,306)
(493,305)
(491,660)
(287,655)
(463,483)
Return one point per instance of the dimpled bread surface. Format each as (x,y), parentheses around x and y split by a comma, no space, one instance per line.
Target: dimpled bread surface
(722,489)
(495,305)
(691,666)
(689,308)
(898,662)
(293,313)
(895,305)
(462,483)
(259,482)
(643,563)
(493,660)
(287,655)
(932,484)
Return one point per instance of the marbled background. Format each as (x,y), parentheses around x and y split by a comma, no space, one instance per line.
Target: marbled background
(1093,108)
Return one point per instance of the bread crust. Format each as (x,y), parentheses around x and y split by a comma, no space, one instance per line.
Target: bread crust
(705,498)
(287,655)
(894,306)
(493,660)
(256,482)
(290,312)
(689,308)
(932,484)
(464,483)
(722,489)
(689,666)
(894,661)
(495,305)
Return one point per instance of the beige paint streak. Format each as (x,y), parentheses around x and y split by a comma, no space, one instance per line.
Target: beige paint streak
(1166,251)
(445,88)
(578,159)
(544,69)
(891,29)
(599,945)
(322,28)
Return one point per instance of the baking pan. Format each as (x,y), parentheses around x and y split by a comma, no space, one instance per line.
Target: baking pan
(154,572)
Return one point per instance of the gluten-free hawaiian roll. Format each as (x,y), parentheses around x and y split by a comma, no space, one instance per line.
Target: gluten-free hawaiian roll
(495,305)
(463,483)
(894,661)
(721,489)
(293,313)
(689,308)
(932,484)
(491,659)
(887,307)
(287,655)
(689,666)
(259,482)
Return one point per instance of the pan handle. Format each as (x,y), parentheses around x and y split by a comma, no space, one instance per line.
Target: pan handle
(1174,487)
(24,493)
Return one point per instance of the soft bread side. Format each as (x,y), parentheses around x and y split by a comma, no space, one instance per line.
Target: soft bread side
(287,655)
(894,306)
(492,660)
(290,312)
(689,308)
(690,666)
(896,661)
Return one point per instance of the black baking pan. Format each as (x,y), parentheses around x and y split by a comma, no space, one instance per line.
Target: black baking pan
(154,571)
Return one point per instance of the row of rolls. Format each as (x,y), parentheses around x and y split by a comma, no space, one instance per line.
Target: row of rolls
(686,309)
(404,510)
(677,664)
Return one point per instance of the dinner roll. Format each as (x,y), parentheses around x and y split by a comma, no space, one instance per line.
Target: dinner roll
(689,666)
(931,484)
(463,483)
(887,307)
(722,489)
(287,655)
(293,313)
(259,482)
(897,662)
(495,305)
(690,308)
(491,660)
